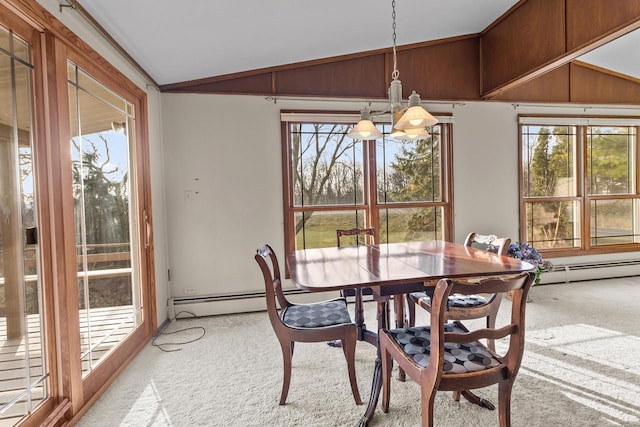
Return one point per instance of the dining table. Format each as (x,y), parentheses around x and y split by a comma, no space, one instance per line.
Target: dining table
(392,270)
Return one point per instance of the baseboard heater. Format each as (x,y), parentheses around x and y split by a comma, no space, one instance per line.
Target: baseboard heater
(575,272)
(211,305)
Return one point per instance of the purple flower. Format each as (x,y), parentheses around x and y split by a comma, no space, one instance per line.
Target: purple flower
(523,251)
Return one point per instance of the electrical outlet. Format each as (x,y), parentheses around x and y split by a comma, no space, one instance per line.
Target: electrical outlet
(189,291)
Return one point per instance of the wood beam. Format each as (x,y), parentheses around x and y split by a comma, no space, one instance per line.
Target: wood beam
(537,36)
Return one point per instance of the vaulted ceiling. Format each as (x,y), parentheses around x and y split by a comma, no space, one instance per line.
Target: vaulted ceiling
(535,50)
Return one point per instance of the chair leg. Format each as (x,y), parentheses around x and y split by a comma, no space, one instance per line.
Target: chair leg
(428,394)
(386,378)
(411,313)
(349,350)
(504,402)
(287,354)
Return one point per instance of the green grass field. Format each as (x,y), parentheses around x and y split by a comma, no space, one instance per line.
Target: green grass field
(320,230)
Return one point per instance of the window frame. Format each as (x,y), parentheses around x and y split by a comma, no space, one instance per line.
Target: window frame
(582,123)
(371,206)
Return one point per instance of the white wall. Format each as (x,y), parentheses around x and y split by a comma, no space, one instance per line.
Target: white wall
(485,170)
(225,150)
(81,28)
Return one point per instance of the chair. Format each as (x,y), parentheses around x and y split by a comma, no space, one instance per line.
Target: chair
(466,307)
(367,235)
(437,356)
(315,322)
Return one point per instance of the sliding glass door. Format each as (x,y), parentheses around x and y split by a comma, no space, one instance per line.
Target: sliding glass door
(77,296)
(22,362)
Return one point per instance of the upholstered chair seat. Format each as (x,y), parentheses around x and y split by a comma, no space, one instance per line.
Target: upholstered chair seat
(317,315)
(458,359)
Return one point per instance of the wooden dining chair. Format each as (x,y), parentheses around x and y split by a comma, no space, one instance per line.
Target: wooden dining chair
(314,322)
(467,307)
(448,356)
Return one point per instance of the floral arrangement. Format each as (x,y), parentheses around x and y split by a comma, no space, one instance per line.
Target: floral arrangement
(525,252)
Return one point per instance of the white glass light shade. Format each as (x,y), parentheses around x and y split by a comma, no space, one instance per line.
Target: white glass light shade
(409,134)
(416,117)
(395,132)
(365,130)
(413,134)
(398,134)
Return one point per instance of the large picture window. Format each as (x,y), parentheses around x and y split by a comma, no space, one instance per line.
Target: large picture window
(401,188)
(580,183)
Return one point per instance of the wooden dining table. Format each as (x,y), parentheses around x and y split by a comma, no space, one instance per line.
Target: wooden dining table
(392,269)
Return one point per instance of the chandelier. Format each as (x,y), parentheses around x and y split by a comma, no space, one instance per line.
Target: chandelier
(408,123)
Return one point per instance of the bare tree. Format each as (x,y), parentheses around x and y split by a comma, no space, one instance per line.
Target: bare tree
(321,172)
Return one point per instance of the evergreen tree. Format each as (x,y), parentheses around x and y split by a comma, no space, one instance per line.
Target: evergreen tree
(415,176)
(544,180)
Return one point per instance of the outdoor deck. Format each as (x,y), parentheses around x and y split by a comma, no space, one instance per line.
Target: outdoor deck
(109,326)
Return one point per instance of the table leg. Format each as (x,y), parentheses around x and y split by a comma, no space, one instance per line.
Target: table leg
(482,402)
(376,386)
(358,320)
(359,314)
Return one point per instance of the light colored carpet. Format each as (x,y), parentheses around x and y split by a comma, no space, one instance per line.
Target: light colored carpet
(581,368)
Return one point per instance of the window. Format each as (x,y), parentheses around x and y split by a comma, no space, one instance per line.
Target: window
(580,183)
(331,181)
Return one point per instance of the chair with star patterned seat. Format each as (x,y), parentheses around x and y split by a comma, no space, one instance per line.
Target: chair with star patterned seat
(313,322)
(448,356)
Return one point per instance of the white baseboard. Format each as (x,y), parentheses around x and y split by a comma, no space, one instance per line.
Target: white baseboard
(212,305)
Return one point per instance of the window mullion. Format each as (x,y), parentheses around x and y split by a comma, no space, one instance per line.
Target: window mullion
(582,183)
(371,195)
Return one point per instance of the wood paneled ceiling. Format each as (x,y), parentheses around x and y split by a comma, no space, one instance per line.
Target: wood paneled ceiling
(529,50)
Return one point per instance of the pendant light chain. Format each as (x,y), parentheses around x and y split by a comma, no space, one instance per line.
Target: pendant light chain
(407,123)
(395,73)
